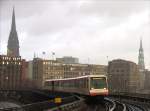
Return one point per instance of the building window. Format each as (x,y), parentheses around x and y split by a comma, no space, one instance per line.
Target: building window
(117,70)
(112,70)
(122,70)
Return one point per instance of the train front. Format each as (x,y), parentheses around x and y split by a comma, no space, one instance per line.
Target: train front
(98,86)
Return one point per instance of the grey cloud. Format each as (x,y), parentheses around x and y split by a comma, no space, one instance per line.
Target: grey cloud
(81,28)
(23,8)
(113,8)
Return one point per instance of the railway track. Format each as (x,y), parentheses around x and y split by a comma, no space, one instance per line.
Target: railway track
(132,108)
(135,107)
(115,105)
(74,102)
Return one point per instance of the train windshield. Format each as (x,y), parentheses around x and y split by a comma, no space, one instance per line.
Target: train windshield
(98,83)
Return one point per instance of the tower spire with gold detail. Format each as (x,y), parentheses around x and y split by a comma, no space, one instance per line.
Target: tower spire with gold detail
(141,57)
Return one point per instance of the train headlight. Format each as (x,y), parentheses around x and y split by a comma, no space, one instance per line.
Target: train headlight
(104,88)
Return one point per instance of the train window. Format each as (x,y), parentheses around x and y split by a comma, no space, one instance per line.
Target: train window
(50,83)
(61,83)
(87,82)
(56,83)
(98,83)
(47,83)
(83,83)
(76,83)
(66,83)
(73,83)
(70,83)
(80,83)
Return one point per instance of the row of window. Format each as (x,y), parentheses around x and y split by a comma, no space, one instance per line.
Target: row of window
(51,63)
(54,77)
(52,68)
(121,70)
(80,83)
(54,73)
(11,58)
(7,63)
(72,68)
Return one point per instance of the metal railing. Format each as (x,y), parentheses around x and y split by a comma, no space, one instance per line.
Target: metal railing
(40,106)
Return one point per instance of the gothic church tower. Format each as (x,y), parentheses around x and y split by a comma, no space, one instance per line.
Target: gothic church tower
(13,42)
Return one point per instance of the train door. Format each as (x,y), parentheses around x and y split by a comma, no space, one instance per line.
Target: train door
(89,83)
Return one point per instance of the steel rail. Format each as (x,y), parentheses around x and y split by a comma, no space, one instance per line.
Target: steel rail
(112,105)
(133,107)
(124,105)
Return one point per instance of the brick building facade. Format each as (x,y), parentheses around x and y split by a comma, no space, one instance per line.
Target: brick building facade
(123,76)
(147,80)
(10,72)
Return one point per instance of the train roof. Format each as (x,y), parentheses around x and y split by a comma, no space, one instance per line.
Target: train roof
(76,77)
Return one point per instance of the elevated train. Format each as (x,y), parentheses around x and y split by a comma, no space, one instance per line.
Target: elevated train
(89,85)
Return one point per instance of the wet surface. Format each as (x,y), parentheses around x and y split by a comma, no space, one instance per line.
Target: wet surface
(5,104)
(96,108)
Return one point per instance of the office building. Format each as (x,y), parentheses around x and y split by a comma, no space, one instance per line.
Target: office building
(46,69)
(123,76)
(68,60)
(10,72)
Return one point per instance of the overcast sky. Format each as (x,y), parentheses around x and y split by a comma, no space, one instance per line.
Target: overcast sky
(81,28)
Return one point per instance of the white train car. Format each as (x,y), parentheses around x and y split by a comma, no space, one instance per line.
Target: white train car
(90,85)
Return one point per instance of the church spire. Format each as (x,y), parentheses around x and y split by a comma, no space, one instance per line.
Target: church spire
(13,42)
(141,57)
(141,47)
(13,25)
